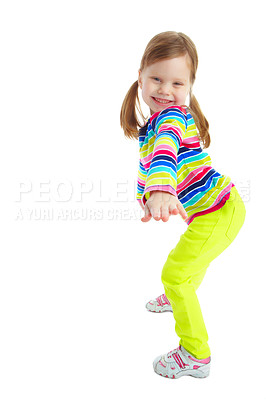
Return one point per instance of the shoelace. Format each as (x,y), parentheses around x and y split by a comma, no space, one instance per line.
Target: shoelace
(162,300)
(176,356)
(170,353)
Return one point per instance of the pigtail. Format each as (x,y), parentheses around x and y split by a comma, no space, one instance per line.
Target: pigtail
(128,116)
(200,121)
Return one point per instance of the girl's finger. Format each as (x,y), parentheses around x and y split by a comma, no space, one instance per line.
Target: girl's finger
(181,210)
(183,213)
(147,215)
(173,210)
(156,213)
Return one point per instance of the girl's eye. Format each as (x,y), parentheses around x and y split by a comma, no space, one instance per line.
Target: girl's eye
(158,80)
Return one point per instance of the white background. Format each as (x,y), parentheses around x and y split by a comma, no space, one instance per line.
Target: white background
(73,286)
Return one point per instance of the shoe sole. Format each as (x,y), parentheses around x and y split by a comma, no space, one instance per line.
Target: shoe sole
(202,372)
(193,373)
(166,309)
(159,311)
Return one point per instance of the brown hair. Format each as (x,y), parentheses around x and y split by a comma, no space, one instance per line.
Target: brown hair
(165,45)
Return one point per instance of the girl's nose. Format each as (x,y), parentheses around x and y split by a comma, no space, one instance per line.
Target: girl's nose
(164,89)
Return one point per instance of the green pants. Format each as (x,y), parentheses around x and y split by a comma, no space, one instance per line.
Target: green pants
(206,237)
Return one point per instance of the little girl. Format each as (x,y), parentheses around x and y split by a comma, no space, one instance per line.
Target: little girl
(175,176)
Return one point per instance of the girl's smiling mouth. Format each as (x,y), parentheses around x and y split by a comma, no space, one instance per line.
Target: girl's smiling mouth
(157,100)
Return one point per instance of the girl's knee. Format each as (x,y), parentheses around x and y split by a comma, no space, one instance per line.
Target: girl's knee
(171,276)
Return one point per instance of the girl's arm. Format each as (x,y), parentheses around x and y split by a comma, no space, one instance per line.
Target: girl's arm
(142,175)
(162,175)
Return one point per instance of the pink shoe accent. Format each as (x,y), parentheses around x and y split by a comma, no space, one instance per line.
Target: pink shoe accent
(162,364)
(202,361)
(162,300)
(196,366)
(179,360)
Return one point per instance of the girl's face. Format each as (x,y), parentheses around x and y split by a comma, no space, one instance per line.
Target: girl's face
(165,83)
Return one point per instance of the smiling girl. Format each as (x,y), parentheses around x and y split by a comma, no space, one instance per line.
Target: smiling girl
(176,176)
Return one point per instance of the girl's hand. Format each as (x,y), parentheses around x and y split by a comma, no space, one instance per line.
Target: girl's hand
(161,205)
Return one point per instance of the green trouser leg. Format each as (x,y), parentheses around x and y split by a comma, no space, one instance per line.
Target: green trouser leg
(206,237)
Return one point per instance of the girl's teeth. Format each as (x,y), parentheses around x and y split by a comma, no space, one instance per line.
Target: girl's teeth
(162,101)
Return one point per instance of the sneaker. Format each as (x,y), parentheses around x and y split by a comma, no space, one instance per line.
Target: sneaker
(160,304)
(180,362)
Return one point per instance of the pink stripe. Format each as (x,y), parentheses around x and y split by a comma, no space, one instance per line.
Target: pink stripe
(169,127)
(182,109)
(194,176)
(166,299)
(178,360)
(202,361)
(159,150)
(146,161)
(191,145)
(212,209)
(163,188)
(191,140)
(167,147)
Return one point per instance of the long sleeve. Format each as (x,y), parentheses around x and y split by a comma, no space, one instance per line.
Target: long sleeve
(142,175)
(169,128)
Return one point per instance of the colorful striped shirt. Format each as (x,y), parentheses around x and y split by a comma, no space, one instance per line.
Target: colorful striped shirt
(172,160)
